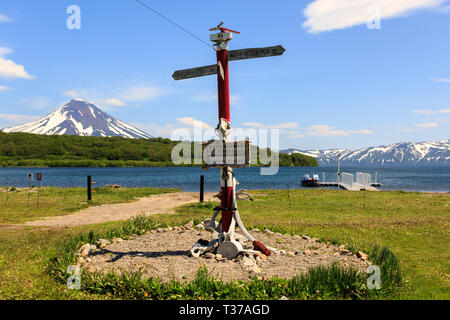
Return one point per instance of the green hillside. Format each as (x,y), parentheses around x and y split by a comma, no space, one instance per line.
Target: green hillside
(30,150)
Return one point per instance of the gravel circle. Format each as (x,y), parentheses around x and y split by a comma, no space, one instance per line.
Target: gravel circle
(164,254)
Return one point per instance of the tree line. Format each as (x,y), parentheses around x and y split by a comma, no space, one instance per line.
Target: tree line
(31,150)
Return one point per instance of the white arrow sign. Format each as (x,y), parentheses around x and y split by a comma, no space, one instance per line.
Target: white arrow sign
(195,72)
(253,53)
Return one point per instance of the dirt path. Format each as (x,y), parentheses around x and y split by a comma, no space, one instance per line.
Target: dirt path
(164,203)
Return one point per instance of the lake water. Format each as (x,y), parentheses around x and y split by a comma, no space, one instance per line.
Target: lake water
(187,179)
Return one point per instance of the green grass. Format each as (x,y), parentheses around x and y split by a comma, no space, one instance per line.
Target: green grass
(332,282)
(20,205)
(413,226)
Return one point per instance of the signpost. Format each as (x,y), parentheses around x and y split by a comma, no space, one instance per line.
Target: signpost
(253,53)
(228,247)
(195,72)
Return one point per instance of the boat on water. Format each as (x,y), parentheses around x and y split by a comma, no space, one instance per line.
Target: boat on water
(310,182)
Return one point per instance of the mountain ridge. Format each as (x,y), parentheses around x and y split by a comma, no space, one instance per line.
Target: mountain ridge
(81,118)
(402,153)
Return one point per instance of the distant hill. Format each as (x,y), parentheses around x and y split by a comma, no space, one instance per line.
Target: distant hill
(31,150)
(80,118)
(412,153)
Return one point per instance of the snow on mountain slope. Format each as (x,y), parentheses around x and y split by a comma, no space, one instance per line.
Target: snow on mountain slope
(80,118)
(422,153)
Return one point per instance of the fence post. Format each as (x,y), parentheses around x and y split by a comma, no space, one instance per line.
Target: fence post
(202,189)
(89,188)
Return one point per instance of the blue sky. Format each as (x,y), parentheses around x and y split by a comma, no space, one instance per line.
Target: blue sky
(338,85)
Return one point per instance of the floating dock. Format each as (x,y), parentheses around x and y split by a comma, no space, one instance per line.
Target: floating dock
(354,187)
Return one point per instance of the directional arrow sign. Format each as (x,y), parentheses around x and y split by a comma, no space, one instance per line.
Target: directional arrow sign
(255,53)
(195,72)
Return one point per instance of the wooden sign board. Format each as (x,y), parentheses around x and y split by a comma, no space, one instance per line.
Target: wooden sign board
(195,72)
(235,154)
(253,53)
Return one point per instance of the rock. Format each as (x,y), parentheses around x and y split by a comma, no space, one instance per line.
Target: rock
(267,231)
(102,243)
(314,240)
(278,234)
(189,225)
(148,232)
(219,257)
(209,255)
(297,237)
(91,269)
(283,298)
(207,222)
(299,253)
(160,230)
(306,238)
(290,254)
(200,226)
(260,255)
(362,256)
(81,261)
(256,230)
(248,262)
(254,269)
(341,247)
(344,251)
(283,252)
(307,252)
(86,250)
(316,253)
(117,240)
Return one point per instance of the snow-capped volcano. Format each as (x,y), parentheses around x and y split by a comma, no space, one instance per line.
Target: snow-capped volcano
(421,153)
(81,118)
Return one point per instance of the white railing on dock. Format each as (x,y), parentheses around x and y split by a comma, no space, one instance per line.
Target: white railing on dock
(364,179)
(347,179)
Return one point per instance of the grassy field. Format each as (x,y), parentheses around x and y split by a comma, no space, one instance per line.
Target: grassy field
(414,226)
(22,205)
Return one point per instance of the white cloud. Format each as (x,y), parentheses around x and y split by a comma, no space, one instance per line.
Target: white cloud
(156,130)
(37,103)
(5,51)
(114,102)
(444,80)
(419,127)
(9,70)
(429,112)
(3,88)
(327,15)
(192,122)
(284,125)
(427,125)
(143,93)
(328,131)
(119,97)
(4,18)
(17,118)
